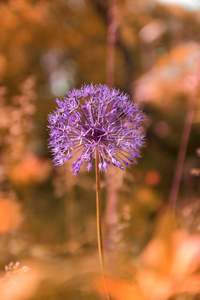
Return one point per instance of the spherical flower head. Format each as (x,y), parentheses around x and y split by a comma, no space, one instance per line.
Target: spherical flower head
(95,117)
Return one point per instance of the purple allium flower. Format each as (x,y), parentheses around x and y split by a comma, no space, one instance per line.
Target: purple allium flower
(95,117)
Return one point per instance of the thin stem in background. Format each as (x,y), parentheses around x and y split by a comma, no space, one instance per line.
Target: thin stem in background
(111,189)
(182,152)
(111,41)
(99,230)
(101,8)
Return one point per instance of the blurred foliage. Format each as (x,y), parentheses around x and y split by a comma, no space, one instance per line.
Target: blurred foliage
(47,216)
(167,266)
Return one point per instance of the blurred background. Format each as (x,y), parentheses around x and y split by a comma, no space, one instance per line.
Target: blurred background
(149,49)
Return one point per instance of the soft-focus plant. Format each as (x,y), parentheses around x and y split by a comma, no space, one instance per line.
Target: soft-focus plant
(168,266)
(18,282)
(173,73)
(16,125)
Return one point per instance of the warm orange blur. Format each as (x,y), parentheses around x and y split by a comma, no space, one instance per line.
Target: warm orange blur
(48,215)
(10,215)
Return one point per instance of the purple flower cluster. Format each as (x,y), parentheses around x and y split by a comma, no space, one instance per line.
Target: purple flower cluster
(95,117)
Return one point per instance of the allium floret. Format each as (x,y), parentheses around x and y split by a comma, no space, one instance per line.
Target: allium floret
(95,117)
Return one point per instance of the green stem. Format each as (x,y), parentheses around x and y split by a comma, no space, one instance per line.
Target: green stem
(99,231)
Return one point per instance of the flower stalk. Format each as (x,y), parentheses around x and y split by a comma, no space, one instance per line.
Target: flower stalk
(99,227)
